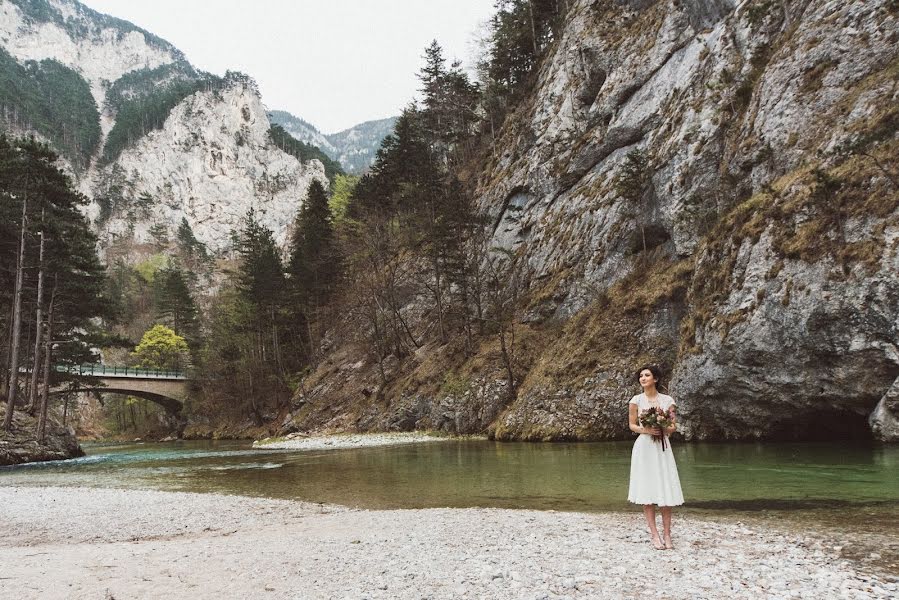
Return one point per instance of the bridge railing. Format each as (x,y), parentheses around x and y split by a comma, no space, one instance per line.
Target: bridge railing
(97,370)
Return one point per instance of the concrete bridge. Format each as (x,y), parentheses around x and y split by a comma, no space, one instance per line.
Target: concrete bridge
(166,388)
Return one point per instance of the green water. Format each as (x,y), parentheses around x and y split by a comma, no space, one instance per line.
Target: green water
(463,473)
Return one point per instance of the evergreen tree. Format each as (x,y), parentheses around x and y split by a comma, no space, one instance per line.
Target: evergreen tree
(188,244)
(433,76)
(450,101)
(260,283)
(74,279)
(314,266)
(314,263)
(243,347)
(520,31)
(174,304)
(260,277)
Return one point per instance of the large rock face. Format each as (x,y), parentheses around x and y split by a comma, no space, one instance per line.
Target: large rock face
(789,325)
(759,264)
(745,114)
(20,444)
(209,162)
(101,48)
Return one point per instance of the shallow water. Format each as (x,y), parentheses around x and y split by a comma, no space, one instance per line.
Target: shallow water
(463,473)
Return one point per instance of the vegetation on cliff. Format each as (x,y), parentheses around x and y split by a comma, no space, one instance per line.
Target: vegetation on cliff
(303,151)
(53,100)
(143,99)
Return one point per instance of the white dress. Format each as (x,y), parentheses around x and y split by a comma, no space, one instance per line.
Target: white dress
(654,478)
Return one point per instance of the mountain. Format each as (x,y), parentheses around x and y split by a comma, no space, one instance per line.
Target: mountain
(358,145)
(354,148)
(709,185)
(302,131)
(149,138)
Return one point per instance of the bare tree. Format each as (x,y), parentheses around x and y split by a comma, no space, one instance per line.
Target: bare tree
(504,286)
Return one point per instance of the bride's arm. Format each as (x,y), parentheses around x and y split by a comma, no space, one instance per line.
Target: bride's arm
(672,410)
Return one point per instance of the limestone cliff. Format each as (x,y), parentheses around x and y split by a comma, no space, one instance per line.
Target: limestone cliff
(176,143)
(759,264)
(210,163)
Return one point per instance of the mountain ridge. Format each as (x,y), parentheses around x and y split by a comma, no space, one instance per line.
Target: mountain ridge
(149,97)
(354,148)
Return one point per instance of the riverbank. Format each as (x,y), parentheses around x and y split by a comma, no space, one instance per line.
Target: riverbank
(20,445)
(95,543)
(299,441)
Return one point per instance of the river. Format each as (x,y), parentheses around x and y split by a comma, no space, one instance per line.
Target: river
(462,473)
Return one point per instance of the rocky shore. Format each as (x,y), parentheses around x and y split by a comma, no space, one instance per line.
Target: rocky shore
(96,543)
(299,441)
(20,444)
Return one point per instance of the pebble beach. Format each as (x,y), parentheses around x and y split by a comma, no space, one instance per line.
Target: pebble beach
(107,543)
(299,441)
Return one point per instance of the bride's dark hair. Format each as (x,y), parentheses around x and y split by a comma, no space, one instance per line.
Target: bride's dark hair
(656,371)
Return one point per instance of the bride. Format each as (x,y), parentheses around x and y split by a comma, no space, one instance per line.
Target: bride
(654,479)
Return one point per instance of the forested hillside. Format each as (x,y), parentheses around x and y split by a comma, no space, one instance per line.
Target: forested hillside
(52,100)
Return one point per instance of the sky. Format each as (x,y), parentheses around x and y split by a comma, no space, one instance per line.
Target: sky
(333,63)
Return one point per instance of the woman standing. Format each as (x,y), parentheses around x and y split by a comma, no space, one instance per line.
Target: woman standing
(654,479)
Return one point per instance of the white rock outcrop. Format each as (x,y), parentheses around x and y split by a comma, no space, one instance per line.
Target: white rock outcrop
(211,163)
(99,53)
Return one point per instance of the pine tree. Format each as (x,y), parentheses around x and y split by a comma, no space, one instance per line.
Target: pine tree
(314,266)
(188,244)
(260,277)
(28,169)
(449,103)
(260,282)
(314,263)
(174,304)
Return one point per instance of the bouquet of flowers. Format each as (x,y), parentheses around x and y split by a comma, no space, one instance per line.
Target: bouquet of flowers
(656,417)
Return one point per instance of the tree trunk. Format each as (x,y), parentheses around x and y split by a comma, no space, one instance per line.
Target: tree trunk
(16,327)
(507,362)
(131,410)
(32,391)
(26,392)
(438,297)
(48,347)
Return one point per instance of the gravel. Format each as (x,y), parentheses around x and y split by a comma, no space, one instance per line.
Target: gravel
(333,442)
(100,543)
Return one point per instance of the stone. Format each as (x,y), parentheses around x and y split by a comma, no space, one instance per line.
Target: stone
(884,420)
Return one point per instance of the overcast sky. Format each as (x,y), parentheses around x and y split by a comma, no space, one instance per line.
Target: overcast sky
(333,63)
